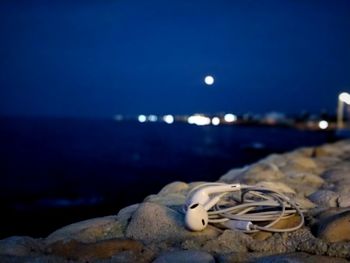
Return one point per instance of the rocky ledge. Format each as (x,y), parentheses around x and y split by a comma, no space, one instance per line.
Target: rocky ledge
(154,231)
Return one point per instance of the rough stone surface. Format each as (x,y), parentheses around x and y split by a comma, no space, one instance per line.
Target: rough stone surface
(155,223)
(88,231)
(190,256)
(276,186)
(125,214)
(20,246)
(335,228)
(174,188)
(74,250)
(172,199)
(298,258)
(228,241)
(324,198)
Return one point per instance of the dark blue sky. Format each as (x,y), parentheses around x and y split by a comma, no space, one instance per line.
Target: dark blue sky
(100,58)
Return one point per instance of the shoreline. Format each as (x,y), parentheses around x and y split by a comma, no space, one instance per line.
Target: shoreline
(153,230)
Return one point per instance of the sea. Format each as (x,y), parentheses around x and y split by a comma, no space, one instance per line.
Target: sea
(57,171)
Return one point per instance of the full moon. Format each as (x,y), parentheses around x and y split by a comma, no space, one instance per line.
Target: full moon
(209,80)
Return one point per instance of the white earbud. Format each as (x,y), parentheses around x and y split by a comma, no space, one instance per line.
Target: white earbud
(196,218)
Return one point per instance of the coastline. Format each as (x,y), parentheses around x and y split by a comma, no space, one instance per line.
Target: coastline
(153,230)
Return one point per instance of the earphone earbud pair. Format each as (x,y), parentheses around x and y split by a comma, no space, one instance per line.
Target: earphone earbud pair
(255,204)
(196,218)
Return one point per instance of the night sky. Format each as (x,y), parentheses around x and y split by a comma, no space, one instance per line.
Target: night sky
(101,58)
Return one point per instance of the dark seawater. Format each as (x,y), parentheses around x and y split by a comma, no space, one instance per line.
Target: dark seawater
(58,171)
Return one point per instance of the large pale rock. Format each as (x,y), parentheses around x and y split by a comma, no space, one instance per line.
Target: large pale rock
(302,178)
(184,256)
(277,159)
(174,188)
(232,175)
(344,200)
(20,246)
(261,171)
(301,161)
(83,252)
(276,186)
(125,214)
(324,198)
(88,231)
(172,199)
(229,241)
(155,223)
(335,228)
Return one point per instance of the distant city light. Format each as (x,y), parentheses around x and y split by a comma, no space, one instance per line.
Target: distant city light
(118,117)
(344,97)
(152,118)
(168,119)
(230,117)
(209,80)
(199,120)
(215,121)
(323,125)
(142,118)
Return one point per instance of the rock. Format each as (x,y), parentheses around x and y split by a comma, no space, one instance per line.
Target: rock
(324,198)
(74,250)
(155,223)
(328,150)
(260,172)
(276,186)
(304,151)
(172,199)
(32,259)
(282,224)
(125,214)
(344,200)
(190,256)
(230,176)
(304,178)
(174,188)
(238,257)
(325,162)
(301,162)
(20,246)
(131,257)
(278,160)
(229,241)
(88,231)
(337,174)
(335,228)
(304,202)
(339,249)
(298,258)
